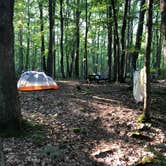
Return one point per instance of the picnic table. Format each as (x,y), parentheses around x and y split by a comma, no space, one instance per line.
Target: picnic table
(97,78)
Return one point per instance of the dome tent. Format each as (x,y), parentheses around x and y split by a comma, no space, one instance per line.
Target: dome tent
(33,80)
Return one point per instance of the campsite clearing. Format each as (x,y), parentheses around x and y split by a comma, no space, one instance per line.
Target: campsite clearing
(86,126)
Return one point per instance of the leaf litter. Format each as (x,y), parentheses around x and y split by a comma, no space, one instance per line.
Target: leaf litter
(86,125)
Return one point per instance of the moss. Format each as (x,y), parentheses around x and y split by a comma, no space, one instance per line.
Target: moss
(27,129)
(143,118)
(77,130)
(146,160)
(160,158)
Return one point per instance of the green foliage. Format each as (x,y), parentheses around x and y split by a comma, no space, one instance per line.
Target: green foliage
(77,130)
(143,118)
(80,130)
(97,32)
(146,160)
(163,73)
(160,158)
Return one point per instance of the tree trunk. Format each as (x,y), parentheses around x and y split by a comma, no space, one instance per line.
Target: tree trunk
(85,45)
(72,61)
(21,55)
(28,38)
(123,32)
(77,39)
(109,47)
(61,40)
(139,34)
(115,57)
(34,57)
(163,26)
(42,49)
(158,54)
(117,45)
(51,37)
(10,113)
(96,55)
(146,109)
(128,67)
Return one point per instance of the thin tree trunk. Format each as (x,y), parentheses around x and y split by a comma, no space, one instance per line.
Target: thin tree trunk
(77,39)
(109,47)
(117,47)
(21,55)
(139,34)
(146,109)
(42,49)
(85,45)
(28,38)
(51,37)
(72,62)
(158,54)
(10,112)
(66,39)
(115,57)
(123,32)
(97,54)
(163,26)
(34,57)
(61,40)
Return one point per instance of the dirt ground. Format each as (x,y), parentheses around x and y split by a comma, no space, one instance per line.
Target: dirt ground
(87,125)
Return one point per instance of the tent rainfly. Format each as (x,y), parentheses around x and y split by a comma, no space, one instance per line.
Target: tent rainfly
(33,80)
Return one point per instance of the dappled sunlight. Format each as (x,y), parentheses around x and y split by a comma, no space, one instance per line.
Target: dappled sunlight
(117,152)
(84,125)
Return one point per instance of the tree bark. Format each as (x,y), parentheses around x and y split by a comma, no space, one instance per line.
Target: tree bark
(28,38)
(128,67)
(42,49)
(51,38)
(115,57)
(77,39)
(10,113)
(139,34)
(21,55)
(61,40)
(158,54)
(109,47)
(66,39)
(123,32)
(85,44)
(147,100)
(163,26)
(116,42)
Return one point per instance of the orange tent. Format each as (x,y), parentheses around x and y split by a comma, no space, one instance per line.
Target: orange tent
(33,80)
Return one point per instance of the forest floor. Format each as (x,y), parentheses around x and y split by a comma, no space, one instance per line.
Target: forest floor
(87,125)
